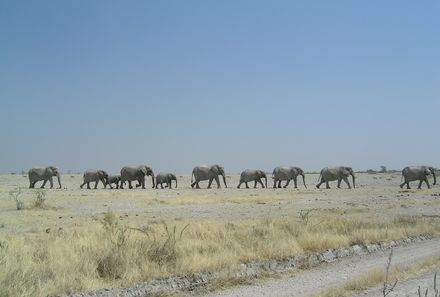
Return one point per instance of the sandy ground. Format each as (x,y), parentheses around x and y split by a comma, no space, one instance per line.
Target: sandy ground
(325,277)
(376,195)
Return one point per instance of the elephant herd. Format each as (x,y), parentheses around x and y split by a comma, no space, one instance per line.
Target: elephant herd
(210,173)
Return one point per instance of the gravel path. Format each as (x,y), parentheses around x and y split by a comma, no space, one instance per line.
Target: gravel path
(319,279)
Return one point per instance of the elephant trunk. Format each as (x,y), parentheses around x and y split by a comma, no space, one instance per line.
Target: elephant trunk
(265,178)
(59,180)
(352,175)
(304,180)
(176,182)
(435,180)
(224,180)
(152,179)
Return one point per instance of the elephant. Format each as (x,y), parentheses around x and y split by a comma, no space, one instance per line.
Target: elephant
(94,176)
(419,173)
(287,173)
(113,179)
(252,175)
(167,178)
(336,173)
(138,173)
(38,173)
(206,172)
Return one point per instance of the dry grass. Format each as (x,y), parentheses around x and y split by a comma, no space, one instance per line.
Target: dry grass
(109,253)
(377,277)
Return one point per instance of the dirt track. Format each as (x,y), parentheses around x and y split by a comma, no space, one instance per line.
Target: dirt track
(317,280)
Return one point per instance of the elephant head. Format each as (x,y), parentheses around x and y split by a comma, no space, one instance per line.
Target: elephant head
(219,170)
(349,171)
(431,170)
(53,171)
(103,176)
(262,174)
(301,172)
(147,171)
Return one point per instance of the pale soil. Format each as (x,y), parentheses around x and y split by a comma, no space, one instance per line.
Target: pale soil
(318,280)
(376,195)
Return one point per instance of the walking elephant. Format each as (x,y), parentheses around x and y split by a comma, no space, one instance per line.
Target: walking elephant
(252,175)
(420,173)
(336,173)
(113,179)
(45,174)
(138,173)
(206,172)
(287,173)
(94,176)
(165,178)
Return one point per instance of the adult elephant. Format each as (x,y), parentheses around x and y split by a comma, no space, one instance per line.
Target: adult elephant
(420,173)
(206,172)
(165,178)
(113,179)
(336,173)
(45,174)
(138,173)
(94,176)
(287,173)
(252,175)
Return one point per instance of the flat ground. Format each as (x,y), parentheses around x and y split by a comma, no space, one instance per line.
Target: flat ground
(376,197)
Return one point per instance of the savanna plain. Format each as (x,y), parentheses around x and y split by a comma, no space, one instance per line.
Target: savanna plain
(58,242)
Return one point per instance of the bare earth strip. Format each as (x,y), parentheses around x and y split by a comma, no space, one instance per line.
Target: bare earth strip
(320,279)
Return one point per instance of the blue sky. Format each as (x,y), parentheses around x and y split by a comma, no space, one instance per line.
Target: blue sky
(246,84)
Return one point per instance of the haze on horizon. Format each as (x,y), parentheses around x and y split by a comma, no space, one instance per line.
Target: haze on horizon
(245,84)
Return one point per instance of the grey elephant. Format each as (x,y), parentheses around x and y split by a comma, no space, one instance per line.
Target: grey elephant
(138,173)
(336,173)
(287,174)
(113,179)
(419,173)
(252,175)
(165,178)
(206,172)
(94,176)
(45,174)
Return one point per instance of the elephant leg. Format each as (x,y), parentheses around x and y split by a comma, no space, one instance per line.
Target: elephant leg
(327,185)
(319,184)
(279,184)
(260,182)
(339,183)
(82,185)
(347,182)
(96,185)
(129,185)
(210,182)
(402,184)
(255,184)
(218,182)
(51,182)
(247,185)
(295,182)
(239,184)
(30,185)
(169,185)
(161,185)
(197,185)
(44,183)
(420,184)
(427,183)
(274,183)
(88,185)
(287,183)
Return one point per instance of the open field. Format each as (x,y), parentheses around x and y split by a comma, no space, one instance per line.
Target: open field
(90,239)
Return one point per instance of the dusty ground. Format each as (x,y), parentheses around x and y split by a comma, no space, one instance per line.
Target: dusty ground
(376,196)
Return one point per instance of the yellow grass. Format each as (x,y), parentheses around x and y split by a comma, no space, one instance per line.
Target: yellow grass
(376,277)
(107,253)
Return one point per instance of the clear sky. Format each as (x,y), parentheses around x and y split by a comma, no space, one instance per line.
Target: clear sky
(245,84)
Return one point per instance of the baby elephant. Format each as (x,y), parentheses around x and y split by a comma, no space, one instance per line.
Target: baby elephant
(113,179)
(252,175)
(94,176)
(165,178)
